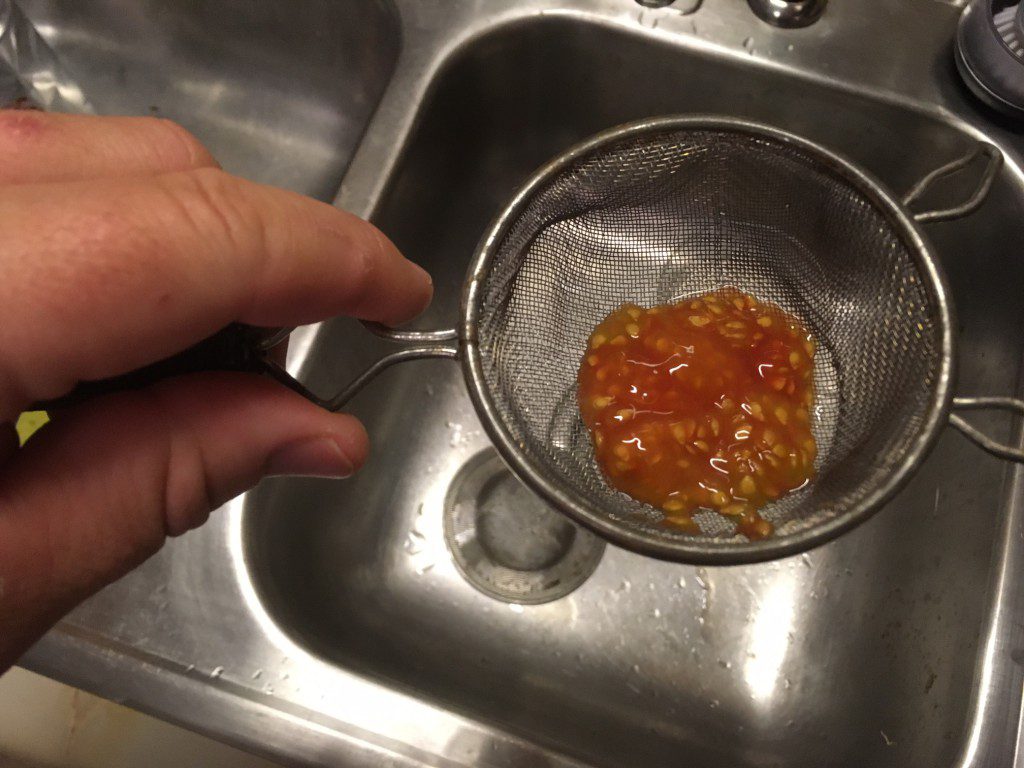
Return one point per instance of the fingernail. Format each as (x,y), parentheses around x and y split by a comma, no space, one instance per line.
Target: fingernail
(315,457)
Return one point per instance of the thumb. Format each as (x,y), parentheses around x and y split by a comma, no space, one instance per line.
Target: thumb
(97,490)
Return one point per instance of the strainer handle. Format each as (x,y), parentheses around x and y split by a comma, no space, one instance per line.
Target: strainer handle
(237,347)
(979,438)
(423,345)
(244,348)
(994,160)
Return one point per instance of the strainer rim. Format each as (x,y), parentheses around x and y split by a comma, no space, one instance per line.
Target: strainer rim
(711,551)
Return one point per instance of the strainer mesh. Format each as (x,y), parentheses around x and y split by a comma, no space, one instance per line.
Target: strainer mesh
(654,218)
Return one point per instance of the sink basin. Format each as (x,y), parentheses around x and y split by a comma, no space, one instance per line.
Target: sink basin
(279,92)
(328,622)
(859,653)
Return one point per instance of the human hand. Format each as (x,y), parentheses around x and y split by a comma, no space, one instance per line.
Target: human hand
(123,243)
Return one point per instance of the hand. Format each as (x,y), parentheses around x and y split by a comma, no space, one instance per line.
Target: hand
(122,243)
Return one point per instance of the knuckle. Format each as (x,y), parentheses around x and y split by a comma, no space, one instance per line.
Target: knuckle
(181,495)
(228,224)
(219,205)
(178,144)
(20,126)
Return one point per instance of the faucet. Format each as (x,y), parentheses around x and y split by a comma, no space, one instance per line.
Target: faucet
(788,13)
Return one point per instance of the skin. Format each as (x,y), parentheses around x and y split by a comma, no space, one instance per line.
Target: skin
(123,243)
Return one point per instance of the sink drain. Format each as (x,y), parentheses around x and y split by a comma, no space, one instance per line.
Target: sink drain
(507,542)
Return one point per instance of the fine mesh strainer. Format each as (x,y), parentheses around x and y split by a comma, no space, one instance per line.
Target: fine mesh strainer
(653,212)
(662,209)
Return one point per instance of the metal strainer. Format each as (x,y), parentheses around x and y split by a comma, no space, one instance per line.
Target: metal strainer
(662,209)
(656,211)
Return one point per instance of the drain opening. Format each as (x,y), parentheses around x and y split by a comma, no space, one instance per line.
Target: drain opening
(508,543)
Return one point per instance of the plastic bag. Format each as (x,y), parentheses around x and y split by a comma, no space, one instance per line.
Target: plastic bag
(30,73)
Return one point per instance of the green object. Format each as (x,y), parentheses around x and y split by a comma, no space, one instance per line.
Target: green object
(29,422)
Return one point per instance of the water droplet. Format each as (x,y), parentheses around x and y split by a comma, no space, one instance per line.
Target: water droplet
(284,676)
(682,582)
(216,672)
(705,594)
(806,559)
(515,607)
(190,667)
(257,674)
(789,47)
(713,704)
(657,613)
(414,542)
(636,669)
(422,569)
(787,683)
(625,586)
(456,437)
(724,664)
(268,689)
(702,576)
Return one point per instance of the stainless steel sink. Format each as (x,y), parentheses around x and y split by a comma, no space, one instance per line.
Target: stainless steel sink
(326,622)
(279,92)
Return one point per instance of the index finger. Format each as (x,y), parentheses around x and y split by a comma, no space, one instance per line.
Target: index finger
(106,276)
(46,146)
